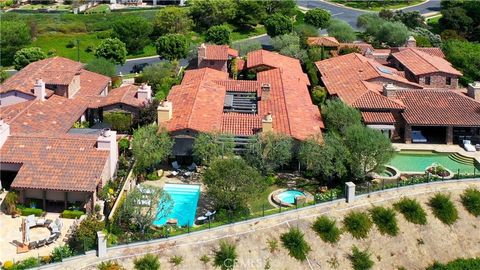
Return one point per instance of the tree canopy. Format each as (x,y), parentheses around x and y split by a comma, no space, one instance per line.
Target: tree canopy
(210,146)
(161,77)
(150,148)
(218,34)
(278,24)
(231,183)
(465,56)
(341,30)
(112,49)
(172,46)
(101,66)
(338,116)
(392,33)
(15,35)
(171,20)
(249,13)
(144,205)
(147,115)
(134,31)
(269,151)
(25,56)
(317,17)
(207,13)
(462,17)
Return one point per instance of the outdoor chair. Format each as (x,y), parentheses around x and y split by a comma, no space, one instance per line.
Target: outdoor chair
(41,243)
(32,245)
(55,228)
(175,165)
(192,167)
(50,239)
(31,221)
(40,222)
(48,222)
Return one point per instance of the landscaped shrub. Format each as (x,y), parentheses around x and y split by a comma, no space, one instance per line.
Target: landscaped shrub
(327,229)
(458,264)
(147,262)
(31,211)
(358,224)
(294,241)
(411,210)
(62,252)
(11,202)
(7,265)
(119,121)
(385,220)
(72,214)
(471,201)
(226,256)
(443,208)
(360,259)
(110,265)
(176,260)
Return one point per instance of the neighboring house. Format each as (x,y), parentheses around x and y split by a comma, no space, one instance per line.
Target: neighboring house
(399,103)
(215,56)
(208,101)
(40,156)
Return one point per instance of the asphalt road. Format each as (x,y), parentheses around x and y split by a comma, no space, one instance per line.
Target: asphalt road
(338,12)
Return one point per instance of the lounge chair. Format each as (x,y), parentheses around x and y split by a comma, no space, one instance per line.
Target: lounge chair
(175,165)
(40,222)
(417,137)
(41,243)
(32,245)
(467,144)
(55,228)
(31,221)
(192,167)
(50,239)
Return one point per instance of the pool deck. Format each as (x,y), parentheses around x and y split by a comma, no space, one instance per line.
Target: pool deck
(442,148)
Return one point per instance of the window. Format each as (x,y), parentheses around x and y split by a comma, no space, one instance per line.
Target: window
(211,63)
(449,81)
(427,80)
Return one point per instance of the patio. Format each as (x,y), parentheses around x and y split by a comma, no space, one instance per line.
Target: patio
(11,235)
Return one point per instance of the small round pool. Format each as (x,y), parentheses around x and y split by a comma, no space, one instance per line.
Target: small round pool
(288,196)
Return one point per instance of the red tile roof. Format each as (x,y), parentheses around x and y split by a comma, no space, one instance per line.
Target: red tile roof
(439,108)
(91,83)
(219,52)
(420,63)
(378,118)
(352,76)
(55,70)
(122,95)
(198,102)
(55,163)
(323,41)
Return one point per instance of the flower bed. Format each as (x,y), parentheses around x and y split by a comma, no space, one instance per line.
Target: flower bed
(440,171)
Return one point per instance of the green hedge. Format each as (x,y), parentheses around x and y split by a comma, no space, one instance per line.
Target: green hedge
(120,121)
(72,214)
(31,211)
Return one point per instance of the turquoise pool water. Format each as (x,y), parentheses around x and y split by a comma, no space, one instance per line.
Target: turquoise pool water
(289,196)
(418,161)
(185,199)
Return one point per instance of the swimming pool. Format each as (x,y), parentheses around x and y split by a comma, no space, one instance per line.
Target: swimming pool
(418,161)
(185,199)
(288,196)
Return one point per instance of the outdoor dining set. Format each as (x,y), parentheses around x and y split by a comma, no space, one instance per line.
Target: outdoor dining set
(55,227)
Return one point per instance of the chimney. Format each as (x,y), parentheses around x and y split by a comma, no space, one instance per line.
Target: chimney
(39,89)
(4,132)
(411,42)
(265,90)
(108,141)
(389,90)
(164,111)
(144,92)
(267,123)
(474,90)
(201,54)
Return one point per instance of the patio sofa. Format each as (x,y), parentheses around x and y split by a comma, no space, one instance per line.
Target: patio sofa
(467,144)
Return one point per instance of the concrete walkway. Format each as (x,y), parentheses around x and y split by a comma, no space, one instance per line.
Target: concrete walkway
(200,240)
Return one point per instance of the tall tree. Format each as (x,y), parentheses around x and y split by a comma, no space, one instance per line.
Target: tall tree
(171,20)
(210,146)
(369,150)
(269,151)
(248,13)
(218,34)
(101,66)
(144,205)
(147,114)
(112,49)
(392,33)
(317,17)
(338,116)
(161,77)
(134,31)
(172,46)
(231,183)
(14,36)
(465,56)
(278,24)
(150,148)
(206,13)
(341,30)
(284,7)
(25,56)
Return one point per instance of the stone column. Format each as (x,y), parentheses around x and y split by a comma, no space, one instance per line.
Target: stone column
(44,199)
(449,135)
(101,245)
(350,192)
(408,134)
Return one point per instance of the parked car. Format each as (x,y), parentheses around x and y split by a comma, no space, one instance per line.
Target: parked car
(137,68)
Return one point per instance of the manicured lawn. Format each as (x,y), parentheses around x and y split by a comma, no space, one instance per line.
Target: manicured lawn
(238,35)
(262,199)
(103,8)
(434,23)
(376,5)
(42,6)
(57,43)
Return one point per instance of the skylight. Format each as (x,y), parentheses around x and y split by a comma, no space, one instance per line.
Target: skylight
(384,70)
(241,102)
